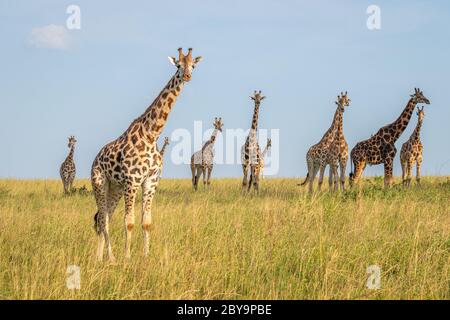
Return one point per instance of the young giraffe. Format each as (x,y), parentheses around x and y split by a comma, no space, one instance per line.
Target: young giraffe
(250,151)
(380,147)
(67,170)
(202,161)
(161,153)
(412,152)
(262,156)
(132,161)
(328,150)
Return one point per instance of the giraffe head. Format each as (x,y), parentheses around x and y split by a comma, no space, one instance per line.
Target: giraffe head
(257,97)
(269,143)
(72,142)
(343,100)
(185,64)
(218,124)
(420,113)
(418,97)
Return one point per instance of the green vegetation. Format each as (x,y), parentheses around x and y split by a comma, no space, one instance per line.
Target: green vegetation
(225,244)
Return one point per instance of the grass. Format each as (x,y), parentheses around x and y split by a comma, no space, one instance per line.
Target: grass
(223,244)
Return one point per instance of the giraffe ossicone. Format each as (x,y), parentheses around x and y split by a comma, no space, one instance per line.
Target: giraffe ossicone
(132,161)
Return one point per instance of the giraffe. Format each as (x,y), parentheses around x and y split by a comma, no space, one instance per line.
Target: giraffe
(250,151)
(132,161)
(380,148)
(67,170)
(263,155)
(202,161)
(328,150)
(161,153)
(411,152)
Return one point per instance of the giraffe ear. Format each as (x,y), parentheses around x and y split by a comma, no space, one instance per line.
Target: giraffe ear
(198,59)
(173,60)
(263,97)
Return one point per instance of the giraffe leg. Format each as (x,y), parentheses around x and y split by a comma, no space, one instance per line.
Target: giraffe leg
(409,171)
(418,165)
(330,179)
(204,175)
(65,185)
(343,167)
(148,191)
(115,193)
(193,174)
(70,187)
(100,188)
(255,177)
(313,172)
(321,174)
(197,177)
(130,197)
(335,177)
(209,174)
(388,169)
(250,181)
(245,167)
(403,164)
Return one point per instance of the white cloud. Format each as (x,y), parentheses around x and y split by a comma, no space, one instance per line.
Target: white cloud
(51,37)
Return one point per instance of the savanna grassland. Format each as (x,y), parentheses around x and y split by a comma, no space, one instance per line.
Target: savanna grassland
(225,244)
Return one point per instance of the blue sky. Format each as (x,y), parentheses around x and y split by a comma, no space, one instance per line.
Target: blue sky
(301,54)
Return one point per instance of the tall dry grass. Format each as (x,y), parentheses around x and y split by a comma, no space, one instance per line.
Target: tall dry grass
(223,244)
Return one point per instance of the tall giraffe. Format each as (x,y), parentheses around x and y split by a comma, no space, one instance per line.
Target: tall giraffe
(132,161)
(67,170)
(328,150)
(412,152)
(343,149)
(250,151)
(380,148)
(161,153)
(202,161)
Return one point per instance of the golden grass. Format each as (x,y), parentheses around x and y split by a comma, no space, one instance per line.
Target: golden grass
(223,244)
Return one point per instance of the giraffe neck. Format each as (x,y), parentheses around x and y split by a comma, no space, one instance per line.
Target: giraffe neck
(212,140)
(333,130)
(415,137)
(71,152)
(214,135)
(155,117)
(402,121)
(163,149)
(340,127)
(266,149)
(254,127)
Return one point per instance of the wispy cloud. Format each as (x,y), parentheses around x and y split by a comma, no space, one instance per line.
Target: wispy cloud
(50,37)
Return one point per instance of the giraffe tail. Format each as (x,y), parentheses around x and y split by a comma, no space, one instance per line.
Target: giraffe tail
(352,165)
(304,182)
(96,224)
